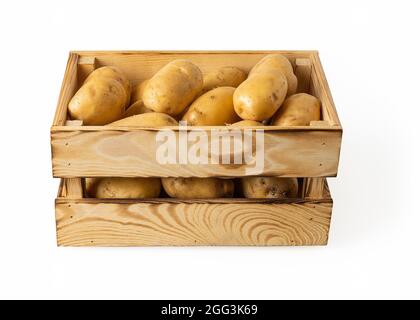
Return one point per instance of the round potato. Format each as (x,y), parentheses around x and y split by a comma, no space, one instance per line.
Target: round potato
(246,123)
(214,108)
(98,102)
(223,77)
(114,73)
(198,188)
(260,96)
(123,188)
(277,62)
(137,107)
(153,119)
(137,91)
(269,187)
(298,110)
(173,87)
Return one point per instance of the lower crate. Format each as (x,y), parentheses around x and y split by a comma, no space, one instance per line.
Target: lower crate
(172,222)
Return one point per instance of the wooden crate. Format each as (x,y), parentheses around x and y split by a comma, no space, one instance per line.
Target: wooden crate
(172,222)
(101,151)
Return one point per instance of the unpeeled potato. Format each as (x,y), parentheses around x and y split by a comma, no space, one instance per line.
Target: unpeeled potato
(260,96)
(98,102)
(153,119)
(137,91)
(298,110)
(198,188)
(277,62)
(223,77)
(246,123)
(214,108)
(137,107)
(269,187)
(173,87)
(123,188)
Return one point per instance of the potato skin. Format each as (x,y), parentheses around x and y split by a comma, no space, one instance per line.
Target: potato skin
(269,187)
(98,102)
(260,96)
(224,77)
(298,110)
(277,62)
(153,119)
(198,188)
(173,87)
(246,123)
(137,91)
(123,188)
(137,107)
(214,108)
(114,73)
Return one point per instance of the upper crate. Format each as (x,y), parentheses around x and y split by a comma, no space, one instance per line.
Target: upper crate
(101,151)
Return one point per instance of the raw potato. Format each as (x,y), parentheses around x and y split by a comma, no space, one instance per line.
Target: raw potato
(223,77)
(153,119)
(269,187)
(173,87)
(246,123)
(298,110)
(98,102)
(137,107)
(260,96)
(277,62)
(214,108)
(114,73)
(137,91)
(123,188)
(198,188)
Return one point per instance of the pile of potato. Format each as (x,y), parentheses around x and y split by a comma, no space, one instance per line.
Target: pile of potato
(178,91)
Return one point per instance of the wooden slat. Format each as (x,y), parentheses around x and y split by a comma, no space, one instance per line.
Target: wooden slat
(314,188)
(183,224)
(68,89)
(303,73)
(85,66)
(133,153)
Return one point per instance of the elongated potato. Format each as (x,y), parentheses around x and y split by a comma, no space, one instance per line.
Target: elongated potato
(277,62)
(298,110)
(137,107)
(114,73)
(246,123)
(214,108)
(153,119)
(173,87)
(198,188)
(98,102)
(123,188)
(260,96)
(137,91)
(223,77)
(269,187)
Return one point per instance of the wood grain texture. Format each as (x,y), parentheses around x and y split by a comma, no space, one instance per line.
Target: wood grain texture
(84,223)
(85,66)
(303,73)
(314,188)
(121,153)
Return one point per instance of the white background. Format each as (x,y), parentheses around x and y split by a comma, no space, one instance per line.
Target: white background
(370,52)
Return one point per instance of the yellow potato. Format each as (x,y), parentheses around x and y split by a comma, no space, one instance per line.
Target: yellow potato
(298,110)
(198,188)
(137,91)
(277,62)
(260,96)
(137,107)
(246,123)
(153,119)
(223,77)
(173,87)
(123,188)
(269,187)
(114,73)
(214,108)
(99,101)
